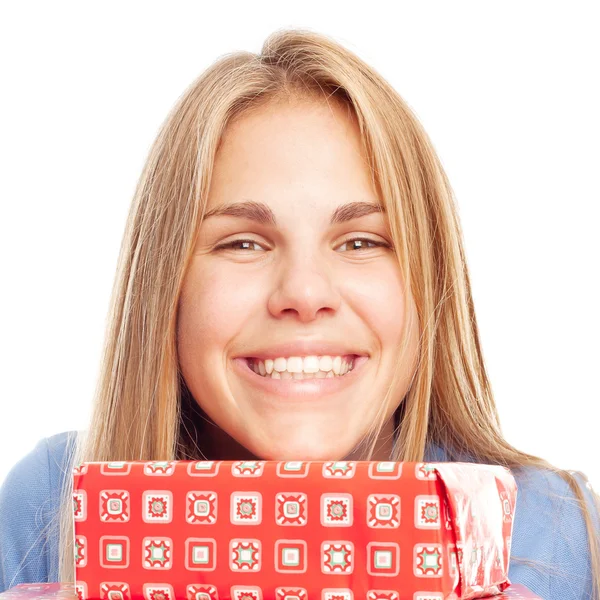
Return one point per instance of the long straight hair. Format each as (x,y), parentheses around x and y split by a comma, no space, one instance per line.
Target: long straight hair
(142,407)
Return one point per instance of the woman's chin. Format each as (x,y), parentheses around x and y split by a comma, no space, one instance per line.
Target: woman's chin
(302,451)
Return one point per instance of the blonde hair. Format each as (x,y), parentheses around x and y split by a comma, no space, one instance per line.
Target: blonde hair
(142,408)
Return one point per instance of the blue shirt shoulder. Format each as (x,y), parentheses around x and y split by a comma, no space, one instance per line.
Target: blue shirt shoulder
(548,528)
(548,525)
(29,502)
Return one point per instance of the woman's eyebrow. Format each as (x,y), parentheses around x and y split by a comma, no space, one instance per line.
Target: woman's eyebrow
(261,213)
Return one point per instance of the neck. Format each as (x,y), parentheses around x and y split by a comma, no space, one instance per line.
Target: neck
(383,447)
(212,443)
(216,444)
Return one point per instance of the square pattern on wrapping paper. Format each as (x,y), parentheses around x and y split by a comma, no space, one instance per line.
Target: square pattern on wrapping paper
(201,554)
(246,592)
(340,469)
(383,559)
(79,505)
(114,551)
(157,506)
(203,468)
(337,594)
(152,591)
(199,591)
(290,593)
(383,511)
(246,508)
(383,595)
(160,468)
(245,555)
(248,468)
(427,512)
(506,507)
(425,471)
(427,560)
(293,468)
(201,507)
(385,470)
(81,589)
(115,590)
(290,556)
(452,559)
(115,468)
(291,508)
(80,550)
(115,506)
(336,510)
(337,557)
(157,553)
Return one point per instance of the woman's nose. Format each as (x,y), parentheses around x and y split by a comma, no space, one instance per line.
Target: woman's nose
(304,286)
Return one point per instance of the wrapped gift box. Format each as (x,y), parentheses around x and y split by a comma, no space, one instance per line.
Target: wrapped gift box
(50,591)
(43,591)
(274,530)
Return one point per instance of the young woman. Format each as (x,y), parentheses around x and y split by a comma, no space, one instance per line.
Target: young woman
(292,285)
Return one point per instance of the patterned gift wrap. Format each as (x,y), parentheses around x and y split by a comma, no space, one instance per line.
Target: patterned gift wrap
(43,591)
(50,591)
(271,530)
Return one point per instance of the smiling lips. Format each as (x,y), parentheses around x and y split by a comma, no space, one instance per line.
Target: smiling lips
(299,387)
(307,367)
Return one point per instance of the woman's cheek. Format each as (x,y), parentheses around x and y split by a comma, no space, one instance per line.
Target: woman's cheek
(377,294)
(222,300)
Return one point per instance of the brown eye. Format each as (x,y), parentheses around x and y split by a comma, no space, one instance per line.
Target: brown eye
(230,245)
(363,243)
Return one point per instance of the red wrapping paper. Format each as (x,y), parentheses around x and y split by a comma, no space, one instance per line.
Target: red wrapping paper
(52,591)
(43,591)
(274,530)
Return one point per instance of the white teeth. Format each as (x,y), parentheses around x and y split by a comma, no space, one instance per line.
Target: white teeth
(280,364)
(311,364)
(337,363)
(294,364)
(297,367)
(325,363)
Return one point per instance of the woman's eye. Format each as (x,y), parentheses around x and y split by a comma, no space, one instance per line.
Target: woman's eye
(362,244)
(229,245)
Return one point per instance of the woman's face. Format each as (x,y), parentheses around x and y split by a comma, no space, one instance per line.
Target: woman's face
(292,283)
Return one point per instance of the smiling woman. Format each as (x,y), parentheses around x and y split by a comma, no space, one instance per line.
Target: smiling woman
(292,284)
(317,281)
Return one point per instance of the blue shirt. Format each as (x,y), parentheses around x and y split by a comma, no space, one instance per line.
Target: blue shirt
(29,499)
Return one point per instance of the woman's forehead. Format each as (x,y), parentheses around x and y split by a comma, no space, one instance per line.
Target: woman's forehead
(306,135)
(297,159)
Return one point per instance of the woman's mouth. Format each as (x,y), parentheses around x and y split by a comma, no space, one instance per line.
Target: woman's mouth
(320,367)
(293,382)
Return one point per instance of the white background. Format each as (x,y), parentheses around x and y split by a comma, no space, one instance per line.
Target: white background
(507,91)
